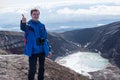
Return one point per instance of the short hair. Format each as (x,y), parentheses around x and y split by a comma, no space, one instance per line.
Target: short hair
(33,10)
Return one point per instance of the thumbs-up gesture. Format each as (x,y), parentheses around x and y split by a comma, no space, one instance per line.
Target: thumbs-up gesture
(23,19)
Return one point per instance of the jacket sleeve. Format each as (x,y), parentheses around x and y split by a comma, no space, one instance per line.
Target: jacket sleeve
(23,26)
(49,45)
(45,32)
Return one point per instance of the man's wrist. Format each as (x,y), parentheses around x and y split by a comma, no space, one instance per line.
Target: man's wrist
(23,22)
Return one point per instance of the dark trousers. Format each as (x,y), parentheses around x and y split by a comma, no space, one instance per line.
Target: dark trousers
(32,66)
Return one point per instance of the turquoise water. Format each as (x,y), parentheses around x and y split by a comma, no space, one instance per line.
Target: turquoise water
(84,62)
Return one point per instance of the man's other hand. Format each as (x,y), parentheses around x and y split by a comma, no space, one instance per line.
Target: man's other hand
(50,55)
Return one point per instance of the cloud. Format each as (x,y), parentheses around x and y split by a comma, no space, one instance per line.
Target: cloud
(27,4)
(62,13)
(9,28)
(93,10)
(60,3)
(63,7)
(100,24)
(65,27)
(62,28)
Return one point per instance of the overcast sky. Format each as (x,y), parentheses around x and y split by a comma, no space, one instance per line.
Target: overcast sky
(60,14)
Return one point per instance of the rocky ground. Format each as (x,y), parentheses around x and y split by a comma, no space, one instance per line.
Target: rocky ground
(109,73)
(15,67)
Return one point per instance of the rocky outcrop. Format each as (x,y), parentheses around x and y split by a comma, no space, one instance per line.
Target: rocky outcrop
(15,67)
(12,42)
(109,73)
(3,52)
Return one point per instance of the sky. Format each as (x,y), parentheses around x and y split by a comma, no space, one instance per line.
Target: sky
(60,14)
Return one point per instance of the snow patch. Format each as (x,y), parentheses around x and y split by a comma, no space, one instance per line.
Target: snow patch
(87,45)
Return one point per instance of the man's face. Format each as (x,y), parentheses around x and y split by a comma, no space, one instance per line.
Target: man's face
(35,15)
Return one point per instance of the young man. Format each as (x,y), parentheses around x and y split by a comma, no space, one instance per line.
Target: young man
(36,45)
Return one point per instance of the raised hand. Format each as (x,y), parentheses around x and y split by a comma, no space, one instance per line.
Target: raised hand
(23,19)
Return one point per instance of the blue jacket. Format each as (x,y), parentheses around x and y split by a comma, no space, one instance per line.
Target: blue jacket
(34,30)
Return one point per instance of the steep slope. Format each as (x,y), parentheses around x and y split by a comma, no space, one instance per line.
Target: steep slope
(104,39)
(15,67)
(81,36)
(12,42)
(61,46)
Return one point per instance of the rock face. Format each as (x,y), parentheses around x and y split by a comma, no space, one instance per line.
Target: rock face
(12,42)
(104,39)
(109,73)
(15,67)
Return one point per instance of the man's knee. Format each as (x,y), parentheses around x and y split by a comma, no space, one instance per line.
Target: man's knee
(32,69)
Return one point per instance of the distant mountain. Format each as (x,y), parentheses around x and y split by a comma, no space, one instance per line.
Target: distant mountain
(15,67)
(104,39)
(63,30)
